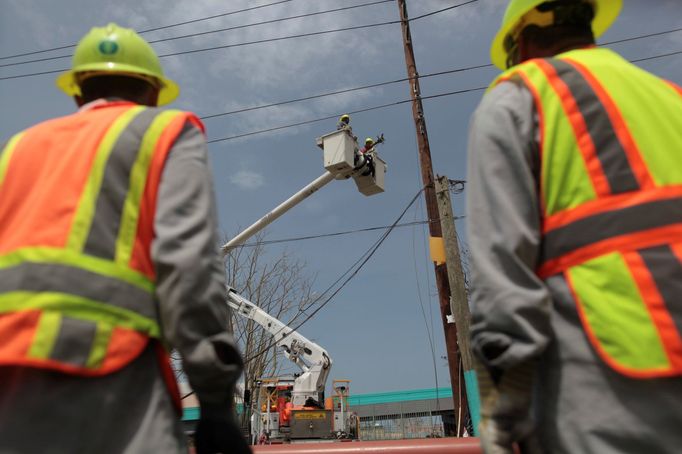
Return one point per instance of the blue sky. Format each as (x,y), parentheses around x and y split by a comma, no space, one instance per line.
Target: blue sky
(374,329)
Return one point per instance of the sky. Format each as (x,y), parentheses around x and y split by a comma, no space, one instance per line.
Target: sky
(377,328)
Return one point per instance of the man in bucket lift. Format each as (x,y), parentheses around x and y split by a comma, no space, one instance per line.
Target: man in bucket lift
(367,154)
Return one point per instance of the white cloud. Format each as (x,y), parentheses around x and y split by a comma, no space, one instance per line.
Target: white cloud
(247,180)
(267,72)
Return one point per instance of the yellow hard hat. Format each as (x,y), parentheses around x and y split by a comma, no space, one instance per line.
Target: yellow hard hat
(345,117)
(114,50)
(369,141)
(605,13)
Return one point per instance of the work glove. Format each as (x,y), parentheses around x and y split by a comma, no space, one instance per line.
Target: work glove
(505,409)
(218,432)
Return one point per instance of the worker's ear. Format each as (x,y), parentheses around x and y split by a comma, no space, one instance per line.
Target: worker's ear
(152,98)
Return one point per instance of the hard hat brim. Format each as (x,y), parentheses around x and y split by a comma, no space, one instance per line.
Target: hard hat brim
(606,13)
(67,82)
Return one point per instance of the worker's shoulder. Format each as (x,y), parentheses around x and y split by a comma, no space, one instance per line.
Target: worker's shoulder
(192,122)
(49,123)
(509,95)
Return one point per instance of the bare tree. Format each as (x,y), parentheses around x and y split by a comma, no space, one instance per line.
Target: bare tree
(277,284)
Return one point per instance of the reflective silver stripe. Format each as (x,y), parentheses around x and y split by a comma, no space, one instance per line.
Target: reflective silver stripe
(666,270)
(101,241)
(603,226)
(74,341)
(609,149)
(50,277)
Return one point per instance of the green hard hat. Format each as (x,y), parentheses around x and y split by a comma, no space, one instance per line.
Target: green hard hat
(605,13)
(117,51)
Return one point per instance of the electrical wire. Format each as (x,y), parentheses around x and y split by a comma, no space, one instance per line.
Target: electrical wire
(670,54)
(19,76)
(248,43)
(352,271)
(440,11)
(280,38)
(334,234)
(338,92)
(192,21)
(230,46)
(191,35)
(649,35)
(367,109)
(396,103)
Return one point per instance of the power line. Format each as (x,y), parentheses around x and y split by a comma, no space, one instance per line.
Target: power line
(334,234)
(352,271)
(371,86)
(383,106)
(230,46)
(156,28)
(624,40)
(657,56)
(367,109)
(215,16)
(248,43)
(440,11)
(192,35)
(281,38)
(338,92)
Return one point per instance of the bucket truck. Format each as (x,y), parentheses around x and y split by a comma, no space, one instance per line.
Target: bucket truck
(294,408)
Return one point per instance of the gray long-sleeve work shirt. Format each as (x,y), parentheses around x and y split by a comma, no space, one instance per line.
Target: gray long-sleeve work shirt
(131,411)
(581,405)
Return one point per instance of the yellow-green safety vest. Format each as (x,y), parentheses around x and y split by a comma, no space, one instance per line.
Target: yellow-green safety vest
(611,197)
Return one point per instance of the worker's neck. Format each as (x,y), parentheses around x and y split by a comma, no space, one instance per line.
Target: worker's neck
(531,50)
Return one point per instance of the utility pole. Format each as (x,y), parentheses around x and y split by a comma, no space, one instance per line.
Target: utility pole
(435,231)
(459,304)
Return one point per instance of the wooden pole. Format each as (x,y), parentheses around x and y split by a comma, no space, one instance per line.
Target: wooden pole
(435,232)
(458,296)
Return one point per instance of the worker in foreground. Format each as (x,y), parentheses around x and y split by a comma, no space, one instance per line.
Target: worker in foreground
(108,258)
(575,226)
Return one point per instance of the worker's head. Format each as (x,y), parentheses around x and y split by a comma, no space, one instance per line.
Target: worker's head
(369,142)
(541,28)
(115,62)
(345,118)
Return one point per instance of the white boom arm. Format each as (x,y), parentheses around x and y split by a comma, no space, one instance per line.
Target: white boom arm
(313,360)
(282,208)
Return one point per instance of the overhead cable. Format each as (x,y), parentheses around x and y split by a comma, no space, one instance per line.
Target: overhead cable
(248,43)
(229,46)
(19,76)
(352,271)
(440,11)
(670,54)
(338,92)
(334,234)
(624,40)
(392,104)
(329,117)
(237,27)
(192,21)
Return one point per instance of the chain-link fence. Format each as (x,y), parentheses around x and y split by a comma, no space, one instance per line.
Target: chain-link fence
(424,424)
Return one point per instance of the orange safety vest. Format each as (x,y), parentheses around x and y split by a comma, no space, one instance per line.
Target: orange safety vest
(611,196)
(77,203)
